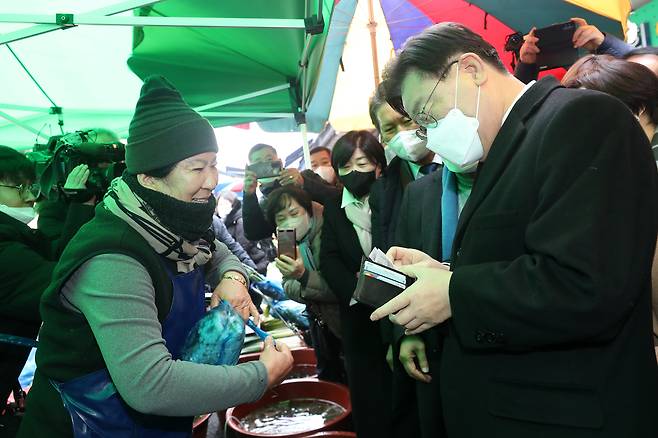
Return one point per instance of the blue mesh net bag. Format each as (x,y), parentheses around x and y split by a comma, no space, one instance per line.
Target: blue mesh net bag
(291,312)
(217,338)
(271,289)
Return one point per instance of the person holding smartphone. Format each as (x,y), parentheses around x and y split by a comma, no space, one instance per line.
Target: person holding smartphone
(358,159)
(28,256)
(299,262)
(256,225)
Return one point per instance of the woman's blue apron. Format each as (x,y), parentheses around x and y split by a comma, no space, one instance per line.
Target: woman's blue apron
(96,408)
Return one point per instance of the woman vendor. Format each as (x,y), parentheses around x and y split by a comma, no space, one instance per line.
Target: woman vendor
(129,287)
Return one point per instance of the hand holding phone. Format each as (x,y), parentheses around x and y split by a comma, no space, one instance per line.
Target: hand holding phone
(266,169)
(287,243)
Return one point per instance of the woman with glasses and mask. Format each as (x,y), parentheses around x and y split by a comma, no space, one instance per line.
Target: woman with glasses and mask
(358,159)
(28,257)
(131,285)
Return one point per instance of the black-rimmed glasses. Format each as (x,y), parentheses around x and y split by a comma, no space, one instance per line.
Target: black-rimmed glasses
(423,118)
(26,189)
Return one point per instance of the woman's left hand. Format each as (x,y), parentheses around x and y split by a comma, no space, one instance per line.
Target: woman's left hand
(237,296)
(289,267)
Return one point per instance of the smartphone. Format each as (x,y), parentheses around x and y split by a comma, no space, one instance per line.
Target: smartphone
(556,46)
(266,169)
(287,243)
(560,34)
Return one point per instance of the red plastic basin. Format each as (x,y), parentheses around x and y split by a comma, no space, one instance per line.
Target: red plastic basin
(304,362)
(301,388)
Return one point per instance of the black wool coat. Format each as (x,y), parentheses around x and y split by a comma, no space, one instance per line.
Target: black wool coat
(550,334)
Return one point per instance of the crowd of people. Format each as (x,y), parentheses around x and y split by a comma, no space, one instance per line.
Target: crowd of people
(526,211)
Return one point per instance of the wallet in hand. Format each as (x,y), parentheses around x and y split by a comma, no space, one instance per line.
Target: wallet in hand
(378,284)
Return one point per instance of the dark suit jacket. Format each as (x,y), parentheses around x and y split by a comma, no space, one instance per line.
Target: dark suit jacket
(367,372)
(256,225)
(419,227)
(385,199)
(419,223)
(550,333)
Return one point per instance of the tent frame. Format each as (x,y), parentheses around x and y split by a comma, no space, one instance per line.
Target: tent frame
(64,21)
(312,25)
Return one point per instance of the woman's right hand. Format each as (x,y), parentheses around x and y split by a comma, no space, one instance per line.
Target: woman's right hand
(278,361)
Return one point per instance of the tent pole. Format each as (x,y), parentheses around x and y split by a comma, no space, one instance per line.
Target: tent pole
(305,145)
(17,122)
(243,97)
(89,19)
(372,26)
(23,120)
(247,114)
(45,28)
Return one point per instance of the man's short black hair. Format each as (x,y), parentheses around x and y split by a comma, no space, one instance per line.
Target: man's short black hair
(15,168)
(259,147)
(642,51)
(280,198)
(431,51)
(317,149)
(364,140)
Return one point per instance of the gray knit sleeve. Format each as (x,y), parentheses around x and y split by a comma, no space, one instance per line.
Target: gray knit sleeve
(116,295)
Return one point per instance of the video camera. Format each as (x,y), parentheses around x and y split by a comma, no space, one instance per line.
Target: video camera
(55,160)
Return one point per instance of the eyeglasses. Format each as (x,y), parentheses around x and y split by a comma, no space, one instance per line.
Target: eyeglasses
(423,118)
(24,190)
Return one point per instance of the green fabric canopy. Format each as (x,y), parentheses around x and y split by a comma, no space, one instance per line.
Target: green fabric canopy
(217,64)
(92,72)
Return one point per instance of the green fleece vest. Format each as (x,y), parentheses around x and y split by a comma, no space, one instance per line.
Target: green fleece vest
(67,346)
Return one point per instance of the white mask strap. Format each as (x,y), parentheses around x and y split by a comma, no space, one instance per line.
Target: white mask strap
(477,106)
(456,85)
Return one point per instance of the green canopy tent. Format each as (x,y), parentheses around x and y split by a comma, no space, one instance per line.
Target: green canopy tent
(256,71)
(233,61)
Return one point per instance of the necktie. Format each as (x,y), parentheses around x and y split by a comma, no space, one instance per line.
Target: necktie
(429,168)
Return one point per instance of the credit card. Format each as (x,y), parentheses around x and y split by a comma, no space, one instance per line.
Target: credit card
(388,275)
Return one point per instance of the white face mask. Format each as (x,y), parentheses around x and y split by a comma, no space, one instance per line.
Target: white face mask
(407,146)
(23,214)
(223,208)
(327,173)
(301,224)
(455,138)
(389,154)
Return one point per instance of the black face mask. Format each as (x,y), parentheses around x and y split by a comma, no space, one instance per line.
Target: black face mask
(358,183)
(268,188)
(191,220)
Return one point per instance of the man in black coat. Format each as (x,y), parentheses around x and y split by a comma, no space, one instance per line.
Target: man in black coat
(256,225)
(549,296)
(411,160)
(408,162)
